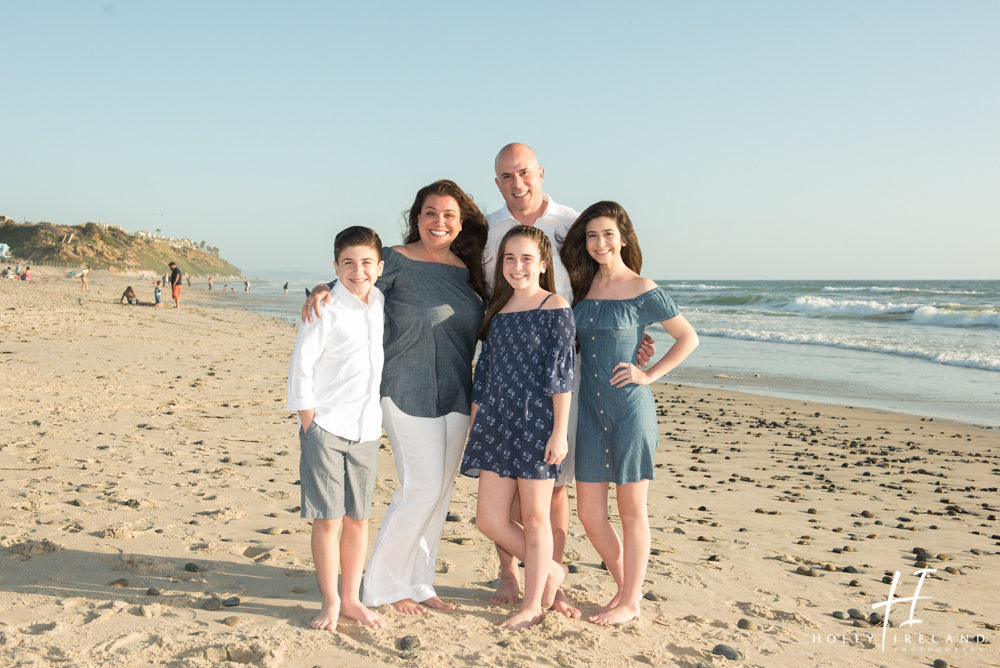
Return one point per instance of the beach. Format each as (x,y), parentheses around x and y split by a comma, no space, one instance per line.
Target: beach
(149,516)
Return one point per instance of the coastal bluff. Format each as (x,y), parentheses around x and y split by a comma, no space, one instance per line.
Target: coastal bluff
(109,247)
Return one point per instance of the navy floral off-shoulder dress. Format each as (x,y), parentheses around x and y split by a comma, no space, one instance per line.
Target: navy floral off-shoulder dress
(526,358)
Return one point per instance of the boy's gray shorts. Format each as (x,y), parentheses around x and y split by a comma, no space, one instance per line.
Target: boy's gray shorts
(337,476)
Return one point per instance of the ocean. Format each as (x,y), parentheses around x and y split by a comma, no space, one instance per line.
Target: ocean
(928,348)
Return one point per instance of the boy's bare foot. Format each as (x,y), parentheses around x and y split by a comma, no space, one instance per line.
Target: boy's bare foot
(557,573)
(409,607)
(508,591)
(326,620)
(358,612)
(615,616)
(564,607)
(522,619)
(437,604)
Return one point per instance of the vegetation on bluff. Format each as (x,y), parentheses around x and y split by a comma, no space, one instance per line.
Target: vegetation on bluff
(109,247)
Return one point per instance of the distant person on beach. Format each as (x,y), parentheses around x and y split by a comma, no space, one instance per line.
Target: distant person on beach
(17,271)
(434,293)
(157,294)
(246,286)
(26,274)
(129,296)
(333,384)
(189,280)
(286,288)
(209,282)
(8,273)
(175,284)
(520,413)
(84,285)
(617,429)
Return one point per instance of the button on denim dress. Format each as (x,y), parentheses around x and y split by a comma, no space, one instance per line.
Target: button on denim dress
(617,431)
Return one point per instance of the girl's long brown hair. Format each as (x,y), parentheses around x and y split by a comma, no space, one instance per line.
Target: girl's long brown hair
(579,265)
(469,243)
(502,292)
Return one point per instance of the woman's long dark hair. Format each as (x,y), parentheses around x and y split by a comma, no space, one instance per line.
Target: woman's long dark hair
(469,243)
(502,292)
(579,265)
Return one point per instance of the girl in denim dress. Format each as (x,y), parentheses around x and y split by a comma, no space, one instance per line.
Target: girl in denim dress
(617,430)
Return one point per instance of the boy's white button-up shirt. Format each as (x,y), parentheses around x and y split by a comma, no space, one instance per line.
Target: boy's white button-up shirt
(336,366)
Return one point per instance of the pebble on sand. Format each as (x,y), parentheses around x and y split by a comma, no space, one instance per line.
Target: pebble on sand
(727,652)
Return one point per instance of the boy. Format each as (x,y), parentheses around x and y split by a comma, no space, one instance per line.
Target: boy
(157,294)
(333,383)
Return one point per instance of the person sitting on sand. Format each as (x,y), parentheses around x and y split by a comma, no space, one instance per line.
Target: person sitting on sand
(333,384)
(617,428)
(128,296)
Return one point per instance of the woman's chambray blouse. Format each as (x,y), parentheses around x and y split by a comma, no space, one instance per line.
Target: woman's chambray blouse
(617,430)
(431,318)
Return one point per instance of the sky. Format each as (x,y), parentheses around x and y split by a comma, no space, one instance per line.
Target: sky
(748,139)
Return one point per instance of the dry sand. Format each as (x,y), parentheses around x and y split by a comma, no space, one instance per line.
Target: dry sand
(148,469)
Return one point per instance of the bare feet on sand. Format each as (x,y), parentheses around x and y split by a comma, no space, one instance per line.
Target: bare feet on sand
(557,573)
(522,619)
(410,607)
(356,611)
(326,620)
(508,592)
(615,616)
(438,604)
(564,607)
(613,603)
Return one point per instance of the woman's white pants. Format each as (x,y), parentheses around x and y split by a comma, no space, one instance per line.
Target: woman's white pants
(428,452)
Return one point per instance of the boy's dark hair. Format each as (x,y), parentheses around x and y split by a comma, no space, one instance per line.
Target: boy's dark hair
(357,235)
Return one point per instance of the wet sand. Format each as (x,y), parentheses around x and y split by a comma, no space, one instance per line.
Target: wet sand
(148,516)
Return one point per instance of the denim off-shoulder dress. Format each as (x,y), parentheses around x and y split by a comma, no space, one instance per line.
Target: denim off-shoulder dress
(616,435)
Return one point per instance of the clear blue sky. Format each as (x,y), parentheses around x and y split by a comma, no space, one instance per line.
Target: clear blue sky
(847,139)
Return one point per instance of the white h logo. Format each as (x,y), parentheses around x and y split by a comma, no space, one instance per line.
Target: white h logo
(887,604)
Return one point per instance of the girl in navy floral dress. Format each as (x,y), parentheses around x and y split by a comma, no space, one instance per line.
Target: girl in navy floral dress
(520,413)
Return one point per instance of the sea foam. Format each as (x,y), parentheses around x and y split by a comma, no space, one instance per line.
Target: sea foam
(951,358)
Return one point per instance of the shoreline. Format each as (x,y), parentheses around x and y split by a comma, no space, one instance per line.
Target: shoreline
(142,441)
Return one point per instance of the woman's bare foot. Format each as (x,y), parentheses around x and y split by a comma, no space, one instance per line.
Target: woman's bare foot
(615,616)
(557,573)
(613,603)
(508,592)
(326,620)
(437,604)
(564,607)
(409,607)
(522,619)
(358,612)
